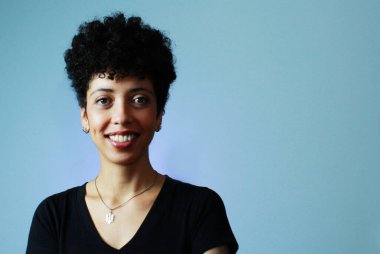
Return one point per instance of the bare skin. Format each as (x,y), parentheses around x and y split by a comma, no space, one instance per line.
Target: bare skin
(129,217)
(218,250)
(117,109)
(121,107)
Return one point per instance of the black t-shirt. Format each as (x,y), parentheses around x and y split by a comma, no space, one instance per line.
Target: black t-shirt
(183,219)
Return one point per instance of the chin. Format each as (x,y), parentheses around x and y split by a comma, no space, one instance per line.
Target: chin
(124,160)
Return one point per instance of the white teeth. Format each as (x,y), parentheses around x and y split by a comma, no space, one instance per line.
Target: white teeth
(122,138)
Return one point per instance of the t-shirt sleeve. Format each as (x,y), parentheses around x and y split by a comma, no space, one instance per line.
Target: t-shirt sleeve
(212,228)
(43,231)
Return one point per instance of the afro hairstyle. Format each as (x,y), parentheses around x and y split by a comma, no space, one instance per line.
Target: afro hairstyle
(124,47)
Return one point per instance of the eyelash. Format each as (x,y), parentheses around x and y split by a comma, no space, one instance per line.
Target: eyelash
(104,101)
(137,98)
(98,101)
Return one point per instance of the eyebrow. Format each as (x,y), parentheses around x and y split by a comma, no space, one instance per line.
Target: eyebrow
(140,89)
(102,90)
(133,90)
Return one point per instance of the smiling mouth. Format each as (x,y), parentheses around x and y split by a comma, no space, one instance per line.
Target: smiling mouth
(123,138)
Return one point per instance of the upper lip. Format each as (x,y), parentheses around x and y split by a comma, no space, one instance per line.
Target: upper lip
(127,132)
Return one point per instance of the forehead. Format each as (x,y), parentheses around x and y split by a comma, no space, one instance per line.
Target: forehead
(124,84)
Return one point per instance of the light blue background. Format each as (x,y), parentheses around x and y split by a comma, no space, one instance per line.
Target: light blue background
(276,107)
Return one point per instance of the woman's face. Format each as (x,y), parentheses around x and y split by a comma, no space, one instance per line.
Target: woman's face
(121,115)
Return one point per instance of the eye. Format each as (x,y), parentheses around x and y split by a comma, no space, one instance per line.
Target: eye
(103,101)
(140,100)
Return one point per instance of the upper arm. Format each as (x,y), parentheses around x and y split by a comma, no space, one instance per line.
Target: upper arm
(42,236)
(212,233)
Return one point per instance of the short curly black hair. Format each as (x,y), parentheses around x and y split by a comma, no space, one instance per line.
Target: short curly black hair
(124,47)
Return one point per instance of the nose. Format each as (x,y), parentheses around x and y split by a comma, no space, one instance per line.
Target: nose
(121,114)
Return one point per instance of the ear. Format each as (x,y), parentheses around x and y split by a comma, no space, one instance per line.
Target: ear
(159,121)
(84,119)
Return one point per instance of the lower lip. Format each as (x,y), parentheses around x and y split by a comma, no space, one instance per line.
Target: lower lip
(121,145)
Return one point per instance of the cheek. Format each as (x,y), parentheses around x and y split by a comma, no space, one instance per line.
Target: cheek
(149,121)
(97,121)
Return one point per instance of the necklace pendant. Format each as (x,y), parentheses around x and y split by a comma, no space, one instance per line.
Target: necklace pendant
(110,217)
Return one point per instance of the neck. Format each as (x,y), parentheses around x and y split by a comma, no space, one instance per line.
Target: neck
(117,181)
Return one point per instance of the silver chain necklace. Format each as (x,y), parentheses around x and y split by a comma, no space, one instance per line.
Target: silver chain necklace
(110,216)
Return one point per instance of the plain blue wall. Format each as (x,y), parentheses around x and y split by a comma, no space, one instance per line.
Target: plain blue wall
(276,107)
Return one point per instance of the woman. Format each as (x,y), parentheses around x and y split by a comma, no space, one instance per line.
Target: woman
(121,70)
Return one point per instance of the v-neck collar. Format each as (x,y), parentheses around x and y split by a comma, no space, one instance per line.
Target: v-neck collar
(148,221)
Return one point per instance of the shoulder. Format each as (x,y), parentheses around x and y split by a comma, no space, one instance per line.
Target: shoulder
(192,193)
(188,188)
(198,201)
(49,219)
(206,216)
(56,203)
(58,198)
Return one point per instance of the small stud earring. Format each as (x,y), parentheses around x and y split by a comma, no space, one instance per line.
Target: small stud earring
(85,130)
